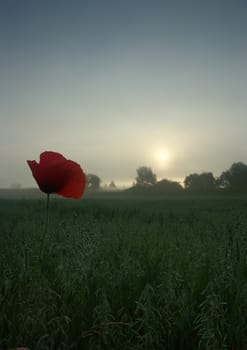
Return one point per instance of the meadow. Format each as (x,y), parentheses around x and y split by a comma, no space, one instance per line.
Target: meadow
(124,273)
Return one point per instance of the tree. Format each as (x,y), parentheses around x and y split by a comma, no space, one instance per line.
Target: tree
(168,186)
(235,178)
(145,176)
(93,182)
(112,185)
(204,182)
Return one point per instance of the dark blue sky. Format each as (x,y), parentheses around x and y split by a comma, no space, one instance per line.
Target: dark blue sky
(118,84)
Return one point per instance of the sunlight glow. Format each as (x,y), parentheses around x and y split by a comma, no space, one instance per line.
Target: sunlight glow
(162,156)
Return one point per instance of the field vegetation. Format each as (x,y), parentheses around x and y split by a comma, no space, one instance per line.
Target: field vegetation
(124,274)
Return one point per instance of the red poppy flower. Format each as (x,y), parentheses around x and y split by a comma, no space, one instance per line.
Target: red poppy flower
(56,174)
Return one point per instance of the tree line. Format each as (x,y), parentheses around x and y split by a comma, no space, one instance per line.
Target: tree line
(233,179)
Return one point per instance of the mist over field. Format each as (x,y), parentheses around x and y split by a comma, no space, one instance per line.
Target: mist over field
(116,85)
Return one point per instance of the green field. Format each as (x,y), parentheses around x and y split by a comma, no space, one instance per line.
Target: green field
(124,274)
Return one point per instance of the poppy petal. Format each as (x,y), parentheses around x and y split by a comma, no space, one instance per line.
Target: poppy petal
(49,157)
(74,181)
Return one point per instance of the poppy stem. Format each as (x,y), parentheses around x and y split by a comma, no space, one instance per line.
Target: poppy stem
(45,230)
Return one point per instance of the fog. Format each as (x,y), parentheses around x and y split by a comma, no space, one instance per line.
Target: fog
(124,84)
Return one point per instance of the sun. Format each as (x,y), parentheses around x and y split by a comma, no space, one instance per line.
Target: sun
(162,156)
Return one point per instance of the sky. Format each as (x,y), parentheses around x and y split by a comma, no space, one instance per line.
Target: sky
(115,85)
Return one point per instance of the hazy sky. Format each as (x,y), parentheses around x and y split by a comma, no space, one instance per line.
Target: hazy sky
(118,84)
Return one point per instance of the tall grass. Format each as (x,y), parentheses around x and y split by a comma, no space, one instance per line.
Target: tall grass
(121,274)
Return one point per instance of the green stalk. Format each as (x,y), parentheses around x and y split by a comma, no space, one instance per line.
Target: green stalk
(45,230)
